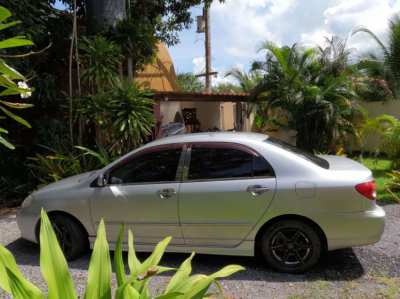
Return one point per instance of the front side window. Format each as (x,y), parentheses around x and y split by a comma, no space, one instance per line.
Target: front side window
(207,163)
(151,167)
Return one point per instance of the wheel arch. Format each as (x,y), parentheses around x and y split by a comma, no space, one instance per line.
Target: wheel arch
(313,224)
(65,214)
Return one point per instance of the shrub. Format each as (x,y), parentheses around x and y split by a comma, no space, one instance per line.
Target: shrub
(393,186)
(12,83)
(135,286)
(391,144)
(54,167)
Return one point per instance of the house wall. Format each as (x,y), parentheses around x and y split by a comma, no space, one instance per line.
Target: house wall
(208,114)
(168,111)
(227,116)
(374,109)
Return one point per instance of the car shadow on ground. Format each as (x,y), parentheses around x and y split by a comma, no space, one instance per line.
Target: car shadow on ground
(339,265)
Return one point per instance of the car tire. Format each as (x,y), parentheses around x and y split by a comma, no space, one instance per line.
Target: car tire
(71,236)
(291,246)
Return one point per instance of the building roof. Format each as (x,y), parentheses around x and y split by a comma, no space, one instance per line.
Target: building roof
(160,74)
(166,96)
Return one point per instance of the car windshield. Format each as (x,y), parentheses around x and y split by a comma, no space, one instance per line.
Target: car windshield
(304,154)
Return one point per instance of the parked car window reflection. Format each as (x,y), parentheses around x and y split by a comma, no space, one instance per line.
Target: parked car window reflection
(306,155)
(224,163)
(155,166)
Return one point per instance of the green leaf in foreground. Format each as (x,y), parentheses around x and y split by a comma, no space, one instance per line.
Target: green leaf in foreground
(7,144)
(15,117)
(118,259)
(53,264)
(15,42)
(22,288)
(99,273)
(180,276)
(8,264)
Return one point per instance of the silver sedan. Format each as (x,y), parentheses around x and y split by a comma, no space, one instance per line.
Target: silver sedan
(217,193)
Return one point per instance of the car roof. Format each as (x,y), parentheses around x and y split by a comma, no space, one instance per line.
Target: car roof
(237,137)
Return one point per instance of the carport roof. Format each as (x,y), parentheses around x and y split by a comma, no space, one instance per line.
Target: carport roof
(200,97)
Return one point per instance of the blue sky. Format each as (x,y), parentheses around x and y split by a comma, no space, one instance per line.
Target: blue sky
(240,26)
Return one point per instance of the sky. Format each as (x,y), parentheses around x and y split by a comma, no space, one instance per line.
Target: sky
(239,27)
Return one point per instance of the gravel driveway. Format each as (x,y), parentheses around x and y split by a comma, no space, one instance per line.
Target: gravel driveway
(366,272)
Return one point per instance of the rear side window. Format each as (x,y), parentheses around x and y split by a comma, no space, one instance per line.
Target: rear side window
(152,167)
(208,163)
(303,154)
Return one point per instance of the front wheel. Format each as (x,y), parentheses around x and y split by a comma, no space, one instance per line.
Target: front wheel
(71,236)
(291,246)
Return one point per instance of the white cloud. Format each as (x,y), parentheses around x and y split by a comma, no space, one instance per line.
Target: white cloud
(244,24)
(316,37)
(221,78)
(199,65)
(240,26)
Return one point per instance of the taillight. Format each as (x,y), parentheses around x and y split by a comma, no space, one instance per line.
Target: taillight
(368,189)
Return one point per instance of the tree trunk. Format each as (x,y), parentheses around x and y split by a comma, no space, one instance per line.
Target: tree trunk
(130,69)
(104,13)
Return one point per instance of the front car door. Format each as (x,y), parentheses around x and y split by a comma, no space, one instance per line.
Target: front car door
(226,189)
(142,193)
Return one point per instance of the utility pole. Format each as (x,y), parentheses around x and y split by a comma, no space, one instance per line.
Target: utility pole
(207,41)
(203,26)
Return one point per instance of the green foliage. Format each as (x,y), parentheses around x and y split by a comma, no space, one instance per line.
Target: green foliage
(393,186)
(132,117)
(102,156)
(382,71)
(188,82)
(137,40)
(125,112)
(391,144)
(380,169)
(53,264)
(55,166)
(313,89)
(247,83)
(11,81)
(100,58)
(133,286)
(377,126)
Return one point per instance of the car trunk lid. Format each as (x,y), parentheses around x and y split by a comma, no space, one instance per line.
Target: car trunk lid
(343,163)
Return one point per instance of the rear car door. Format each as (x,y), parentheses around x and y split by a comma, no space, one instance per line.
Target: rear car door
(226,188)
(142,193)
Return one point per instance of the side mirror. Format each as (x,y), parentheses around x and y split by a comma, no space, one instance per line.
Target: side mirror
(101,180)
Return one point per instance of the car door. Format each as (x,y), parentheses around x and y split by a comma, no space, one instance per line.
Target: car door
(226,188)
(142,193)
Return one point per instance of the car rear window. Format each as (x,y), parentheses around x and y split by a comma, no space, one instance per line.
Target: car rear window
(303,154)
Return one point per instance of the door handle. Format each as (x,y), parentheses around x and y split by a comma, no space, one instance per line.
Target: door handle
(257,190)
(166,193)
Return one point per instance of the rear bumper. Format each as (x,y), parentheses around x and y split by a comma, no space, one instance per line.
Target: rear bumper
(356,229)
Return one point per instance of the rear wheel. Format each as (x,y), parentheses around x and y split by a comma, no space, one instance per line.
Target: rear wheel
(291,246)
(71,236)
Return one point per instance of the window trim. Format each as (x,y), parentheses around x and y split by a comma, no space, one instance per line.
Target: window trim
(178,175)
(225,145)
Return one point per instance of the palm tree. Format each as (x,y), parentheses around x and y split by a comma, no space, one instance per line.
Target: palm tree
(188,82)
(247,81)
(313,89)
(383,69)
